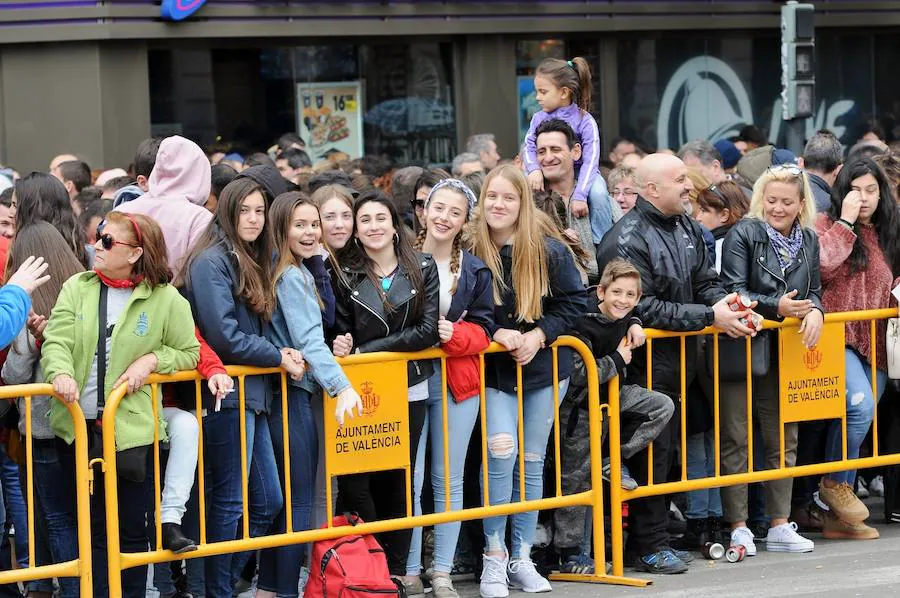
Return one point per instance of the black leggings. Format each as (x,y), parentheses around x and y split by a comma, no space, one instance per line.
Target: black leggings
(382,495)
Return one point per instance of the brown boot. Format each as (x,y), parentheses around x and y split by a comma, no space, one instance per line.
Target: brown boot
(809,518)
(836,529)
(843,502)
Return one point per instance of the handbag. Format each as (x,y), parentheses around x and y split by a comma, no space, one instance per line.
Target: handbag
(131,464)
(893,348)
(733,357)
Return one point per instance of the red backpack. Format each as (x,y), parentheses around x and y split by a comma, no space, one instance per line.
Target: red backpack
(349,567)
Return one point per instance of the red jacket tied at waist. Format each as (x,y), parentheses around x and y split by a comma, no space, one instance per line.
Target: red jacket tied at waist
(463,374)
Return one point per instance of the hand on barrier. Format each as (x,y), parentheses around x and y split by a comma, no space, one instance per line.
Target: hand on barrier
(729,321)
(293,363)
(445,329)
(532,341)
(66,387)
(536,180)
(624,350)
(138,372)
(850,206)
(347,400)
(511,339)
(636,336)
(36,324)
(579,208)
(220,385)
(811,328)
(788,307)
(342,345)
(30,274)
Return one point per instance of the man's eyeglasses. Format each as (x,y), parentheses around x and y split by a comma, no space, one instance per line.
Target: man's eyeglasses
(108,241)
(625,192)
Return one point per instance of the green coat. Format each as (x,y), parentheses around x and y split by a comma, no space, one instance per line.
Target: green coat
(155,320)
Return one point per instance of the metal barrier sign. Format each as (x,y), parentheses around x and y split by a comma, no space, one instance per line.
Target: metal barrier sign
(812,380)
(379,440)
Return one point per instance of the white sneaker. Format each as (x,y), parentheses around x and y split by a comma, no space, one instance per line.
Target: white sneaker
(876,486)
(523,575)
(784,538)
(862,491)
(494,583)
(744,537)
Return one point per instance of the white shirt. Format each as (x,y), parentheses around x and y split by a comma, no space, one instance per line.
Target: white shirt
(116,300)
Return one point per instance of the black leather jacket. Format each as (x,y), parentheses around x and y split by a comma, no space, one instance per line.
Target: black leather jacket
(750,266)
(360,311)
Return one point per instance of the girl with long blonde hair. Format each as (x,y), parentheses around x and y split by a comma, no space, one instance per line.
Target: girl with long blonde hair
(537,293)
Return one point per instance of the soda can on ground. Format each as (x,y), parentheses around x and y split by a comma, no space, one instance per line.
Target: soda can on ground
(712,551)
(735,553)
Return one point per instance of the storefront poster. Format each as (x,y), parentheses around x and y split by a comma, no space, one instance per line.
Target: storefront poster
(528,105)
(330,118)
(812,380)
(379,439)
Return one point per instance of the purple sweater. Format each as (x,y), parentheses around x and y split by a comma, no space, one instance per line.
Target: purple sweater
(588,133)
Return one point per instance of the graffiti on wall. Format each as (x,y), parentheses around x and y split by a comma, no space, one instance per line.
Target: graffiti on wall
(706,99)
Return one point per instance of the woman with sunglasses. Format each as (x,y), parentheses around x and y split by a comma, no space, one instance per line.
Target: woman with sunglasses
(146,327)
(772,257)
(387,300)
(228,281)
(860,255)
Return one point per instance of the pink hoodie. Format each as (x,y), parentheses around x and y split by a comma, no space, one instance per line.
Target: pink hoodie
(179,187)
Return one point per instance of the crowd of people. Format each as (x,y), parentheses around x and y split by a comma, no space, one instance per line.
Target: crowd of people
(192,259)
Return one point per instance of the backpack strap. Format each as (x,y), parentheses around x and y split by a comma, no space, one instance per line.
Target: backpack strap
(101,349)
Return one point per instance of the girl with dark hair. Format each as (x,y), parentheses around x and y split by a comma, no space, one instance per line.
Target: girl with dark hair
(54,519)
(297,323)
(147,328)
(563,90)
(466,315)
(41,196)
(860,255)
(228,281)
(387,300)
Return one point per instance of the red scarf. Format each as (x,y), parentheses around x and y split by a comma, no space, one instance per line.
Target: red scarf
(126,283)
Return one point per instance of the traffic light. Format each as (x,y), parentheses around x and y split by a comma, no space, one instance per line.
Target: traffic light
(798,65)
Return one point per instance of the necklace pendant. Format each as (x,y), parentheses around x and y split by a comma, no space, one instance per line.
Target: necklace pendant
(386,284)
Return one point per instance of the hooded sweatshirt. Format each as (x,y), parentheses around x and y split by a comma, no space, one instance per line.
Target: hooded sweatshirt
(179,187)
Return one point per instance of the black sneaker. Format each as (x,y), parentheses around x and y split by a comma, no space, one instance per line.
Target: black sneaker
(663,562)
(173,539)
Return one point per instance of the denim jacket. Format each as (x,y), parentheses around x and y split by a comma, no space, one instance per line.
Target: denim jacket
(297,323)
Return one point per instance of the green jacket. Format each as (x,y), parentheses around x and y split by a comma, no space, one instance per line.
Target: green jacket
(156,320)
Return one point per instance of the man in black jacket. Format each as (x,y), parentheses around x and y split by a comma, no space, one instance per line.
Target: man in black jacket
(681,293)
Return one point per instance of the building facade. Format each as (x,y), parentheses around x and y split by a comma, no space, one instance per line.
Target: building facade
(412,79)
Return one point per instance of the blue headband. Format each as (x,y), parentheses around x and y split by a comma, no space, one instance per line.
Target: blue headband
(459,186)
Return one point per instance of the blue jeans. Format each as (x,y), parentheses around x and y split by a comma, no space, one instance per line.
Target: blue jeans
(460,422)
(860,411)
(701,464)
(503,469)
(222,451)
(16,511)
(55,506)
(279,568)
(599,209)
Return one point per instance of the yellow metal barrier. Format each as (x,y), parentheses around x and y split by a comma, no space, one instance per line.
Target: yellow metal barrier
(662,487)
(80,567)
(119,561)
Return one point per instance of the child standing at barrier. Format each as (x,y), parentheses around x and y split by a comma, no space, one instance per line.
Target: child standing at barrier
(387,300)
(538,295)
(563,89)
(146,327)
(860,253)
(611,331)
(297,322)
(466,313)
(228,280)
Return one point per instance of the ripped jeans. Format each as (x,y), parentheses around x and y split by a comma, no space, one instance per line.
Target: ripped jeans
(503,463)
